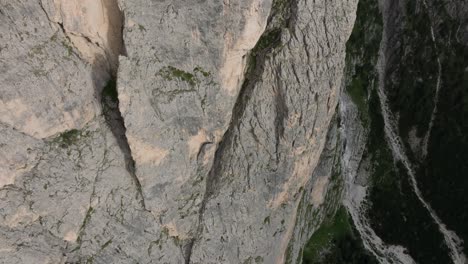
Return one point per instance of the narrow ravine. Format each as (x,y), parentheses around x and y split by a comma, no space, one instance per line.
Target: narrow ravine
(354,201)
(362,56)
(360,197)
(451,239)
(437,91)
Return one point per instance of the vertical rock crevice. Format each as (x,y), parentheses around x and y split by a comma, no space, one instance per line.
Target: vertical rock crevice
(115,121)
(278,20)
(95,30)
(108,94)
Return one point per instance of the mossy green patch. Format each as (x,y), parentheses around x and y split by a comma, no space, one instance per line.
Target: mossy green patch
(69,138)
(141,27)
(68,46)
(170,73)
(336,242)
(258,259)
(202,71)
(269,39)
(322,238)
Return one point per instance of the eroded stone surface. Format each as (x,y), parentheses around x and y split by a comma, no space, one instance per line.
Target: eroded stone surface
(256,142)
(94,28)
(45,87)
(220,152)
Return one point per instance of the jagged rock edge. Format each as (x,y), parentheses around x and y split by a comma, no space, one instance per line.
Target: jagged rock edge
(255,66)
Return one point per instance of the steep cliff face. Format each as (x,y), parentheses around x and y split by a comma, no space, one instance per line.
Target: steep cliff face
(227,128)
(161,132)
(251,131)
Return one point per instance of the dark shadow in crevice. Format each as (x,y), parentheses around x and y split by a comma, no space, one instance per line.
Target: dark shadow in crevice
(104,75)
(115,121)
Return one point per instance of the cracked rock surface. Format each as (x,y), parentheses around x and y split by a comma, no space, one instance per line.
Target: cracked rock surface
(215,144)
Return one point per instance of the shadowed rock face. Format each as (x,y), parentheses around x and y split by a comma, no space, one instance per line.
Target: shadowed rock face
(209,150)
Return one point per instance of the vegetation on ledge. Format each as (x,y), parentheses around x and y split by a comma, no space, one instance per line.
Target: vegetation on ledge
(336,242)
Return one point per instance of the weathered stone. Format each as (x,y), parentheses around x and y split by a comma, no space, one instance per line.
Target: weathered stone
(216,155)
(213,152)
(45,87)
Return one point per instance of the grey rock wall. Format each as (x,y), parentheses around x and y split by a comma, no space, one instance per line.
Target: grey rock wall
(210,154)
(45,87)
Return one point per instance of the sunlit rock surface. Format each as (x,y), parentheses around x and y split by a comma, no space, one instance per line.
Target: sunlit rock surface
(208,148)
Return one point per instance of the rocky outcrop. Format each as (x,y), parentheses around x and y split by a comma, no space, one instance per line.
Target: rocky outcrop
(223,161)
(209,150)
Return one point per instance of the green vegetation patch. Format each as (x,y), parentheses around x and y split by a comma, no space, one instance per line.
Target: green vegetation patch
(69,138)
(202,71)
(394,211)
(362,50)
(68,46)
(268,40)
(322,238)
(171,73)
(336,242)
(442,176)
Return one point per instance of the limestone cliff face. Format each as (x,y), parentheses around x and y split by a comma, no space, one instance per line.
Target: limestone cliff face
(213,152)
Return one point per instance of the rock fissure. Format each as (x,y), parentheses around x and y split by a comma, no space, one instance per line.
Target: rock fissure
(90,209)
(41,5)
(278,20)
(62,29)
(115,121)
(108,96)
